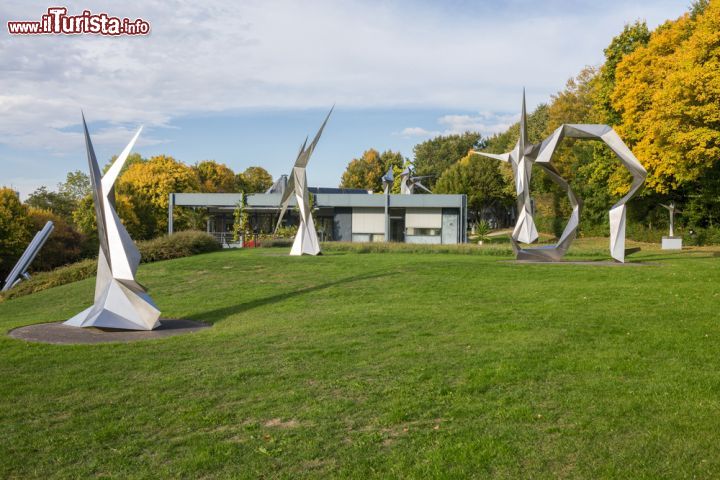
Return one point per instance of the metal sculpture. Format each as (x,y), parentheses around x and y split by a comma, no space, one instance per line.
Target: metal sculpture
(672,210)
(387,181)
(522,158)
(120,301)
(408,181)
(306,241)
(671,242)
(19,271)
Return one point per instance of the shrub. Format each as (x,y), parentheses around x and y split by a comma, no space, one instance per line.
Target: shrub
(177,245)
(181,244)
(63,246)
(60,276)
(383,247)
(275,242)
(702,236)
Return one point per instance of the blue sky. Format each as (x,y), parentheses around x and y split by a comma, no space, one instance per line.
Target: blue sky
(244,82)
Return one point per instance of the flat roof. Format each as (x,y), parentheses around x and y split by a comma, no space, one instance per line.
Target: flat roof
(270,200)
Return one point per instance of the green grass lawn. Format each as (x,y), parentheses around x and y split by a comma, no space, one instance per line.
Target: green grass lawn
(379,365)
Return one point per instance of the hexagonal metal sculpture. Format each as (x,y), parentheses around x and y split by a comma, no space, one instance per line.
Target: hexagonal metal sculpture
(120,301)
(526,154)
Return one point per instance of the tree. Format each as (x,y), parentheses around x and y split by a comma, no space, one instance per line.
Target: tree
(632,37)
(668,96)
(60,203)
(367,171)
(254,180)
(76,185)
(215,177)
(63,246)
(433,156)
(477,177)
(15,229)
(145,189)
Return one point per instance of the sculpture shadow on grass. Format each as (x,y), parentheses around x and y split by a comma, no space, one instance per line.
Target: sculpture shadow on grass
(219,314)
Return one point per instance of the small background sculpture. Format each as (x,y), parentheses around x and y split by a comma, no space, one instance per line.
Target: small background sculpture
(120,301)
(522,158)
(306,241)
(671,242)
(408,182)
(19,271)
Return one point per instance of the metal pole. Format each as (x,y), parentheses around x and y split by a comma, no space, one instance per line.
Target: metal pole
(387,215)
(171,205)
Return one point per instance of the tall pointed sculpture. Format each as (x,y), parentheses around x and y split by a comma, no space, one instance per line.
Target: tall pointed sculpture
(522,158)
(306,241)
(408,182)
(120,301)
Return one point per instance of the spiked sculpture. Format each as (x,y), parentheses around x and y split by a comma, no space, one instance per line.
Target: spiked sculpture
(671,242)
(306,241)
(120,301)
(408,182)
(522,158)
(387,181)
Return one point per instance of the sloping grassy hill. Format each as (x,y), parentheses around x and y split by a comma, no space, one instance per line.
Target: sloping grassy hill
(379,365)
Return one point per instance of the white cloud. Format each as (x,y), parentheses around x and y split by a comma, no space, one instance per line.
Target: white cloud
(485,123)
(418,132)
(214,56)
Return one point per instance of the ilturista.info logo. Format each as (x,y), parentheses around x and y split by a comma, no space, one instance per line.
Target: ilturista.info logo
(57,22)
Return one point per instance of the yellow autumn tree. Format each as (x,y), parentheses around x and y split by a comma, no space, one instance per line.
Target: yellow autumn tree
(215,177)
(668,96)
(144,189)
(367,171)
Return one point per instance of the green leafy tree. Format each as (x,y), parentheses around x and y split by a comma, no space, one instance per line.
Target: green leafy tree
(59,203)
(76,185)
(633,36)
(434,156)
(477,177)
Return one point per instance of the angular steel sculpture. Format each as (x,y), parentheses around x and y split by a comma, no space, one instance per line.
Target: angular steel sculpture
(120,301)
(672,210)
(522,158)
(408,182)
(19,271)
(387,181)
(306,241)
(671,242)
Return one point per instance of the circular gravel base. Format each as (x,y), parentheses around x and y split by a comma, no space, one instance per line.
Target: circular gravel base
(58,333)
(598,263)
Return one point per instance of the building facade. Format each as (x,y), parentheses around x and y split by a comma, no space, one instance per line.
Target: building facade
(340,215)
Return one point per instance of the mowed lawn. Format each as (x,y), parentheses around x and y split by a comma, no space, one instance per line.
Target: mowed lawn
(379,365)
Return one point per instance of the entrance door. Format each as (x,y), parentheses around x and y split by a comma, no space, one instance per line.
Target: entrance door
(397,229)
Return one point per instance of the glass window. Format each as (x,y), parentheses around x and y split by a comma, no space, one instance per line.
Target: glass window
(423,232)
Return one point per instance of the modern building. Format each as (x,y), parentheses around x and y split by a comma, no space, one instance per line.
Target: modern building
(346,215)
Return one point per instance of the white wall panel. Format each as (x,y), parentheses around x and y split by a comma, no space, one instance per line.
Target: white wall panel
(368,220)
(423,218)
